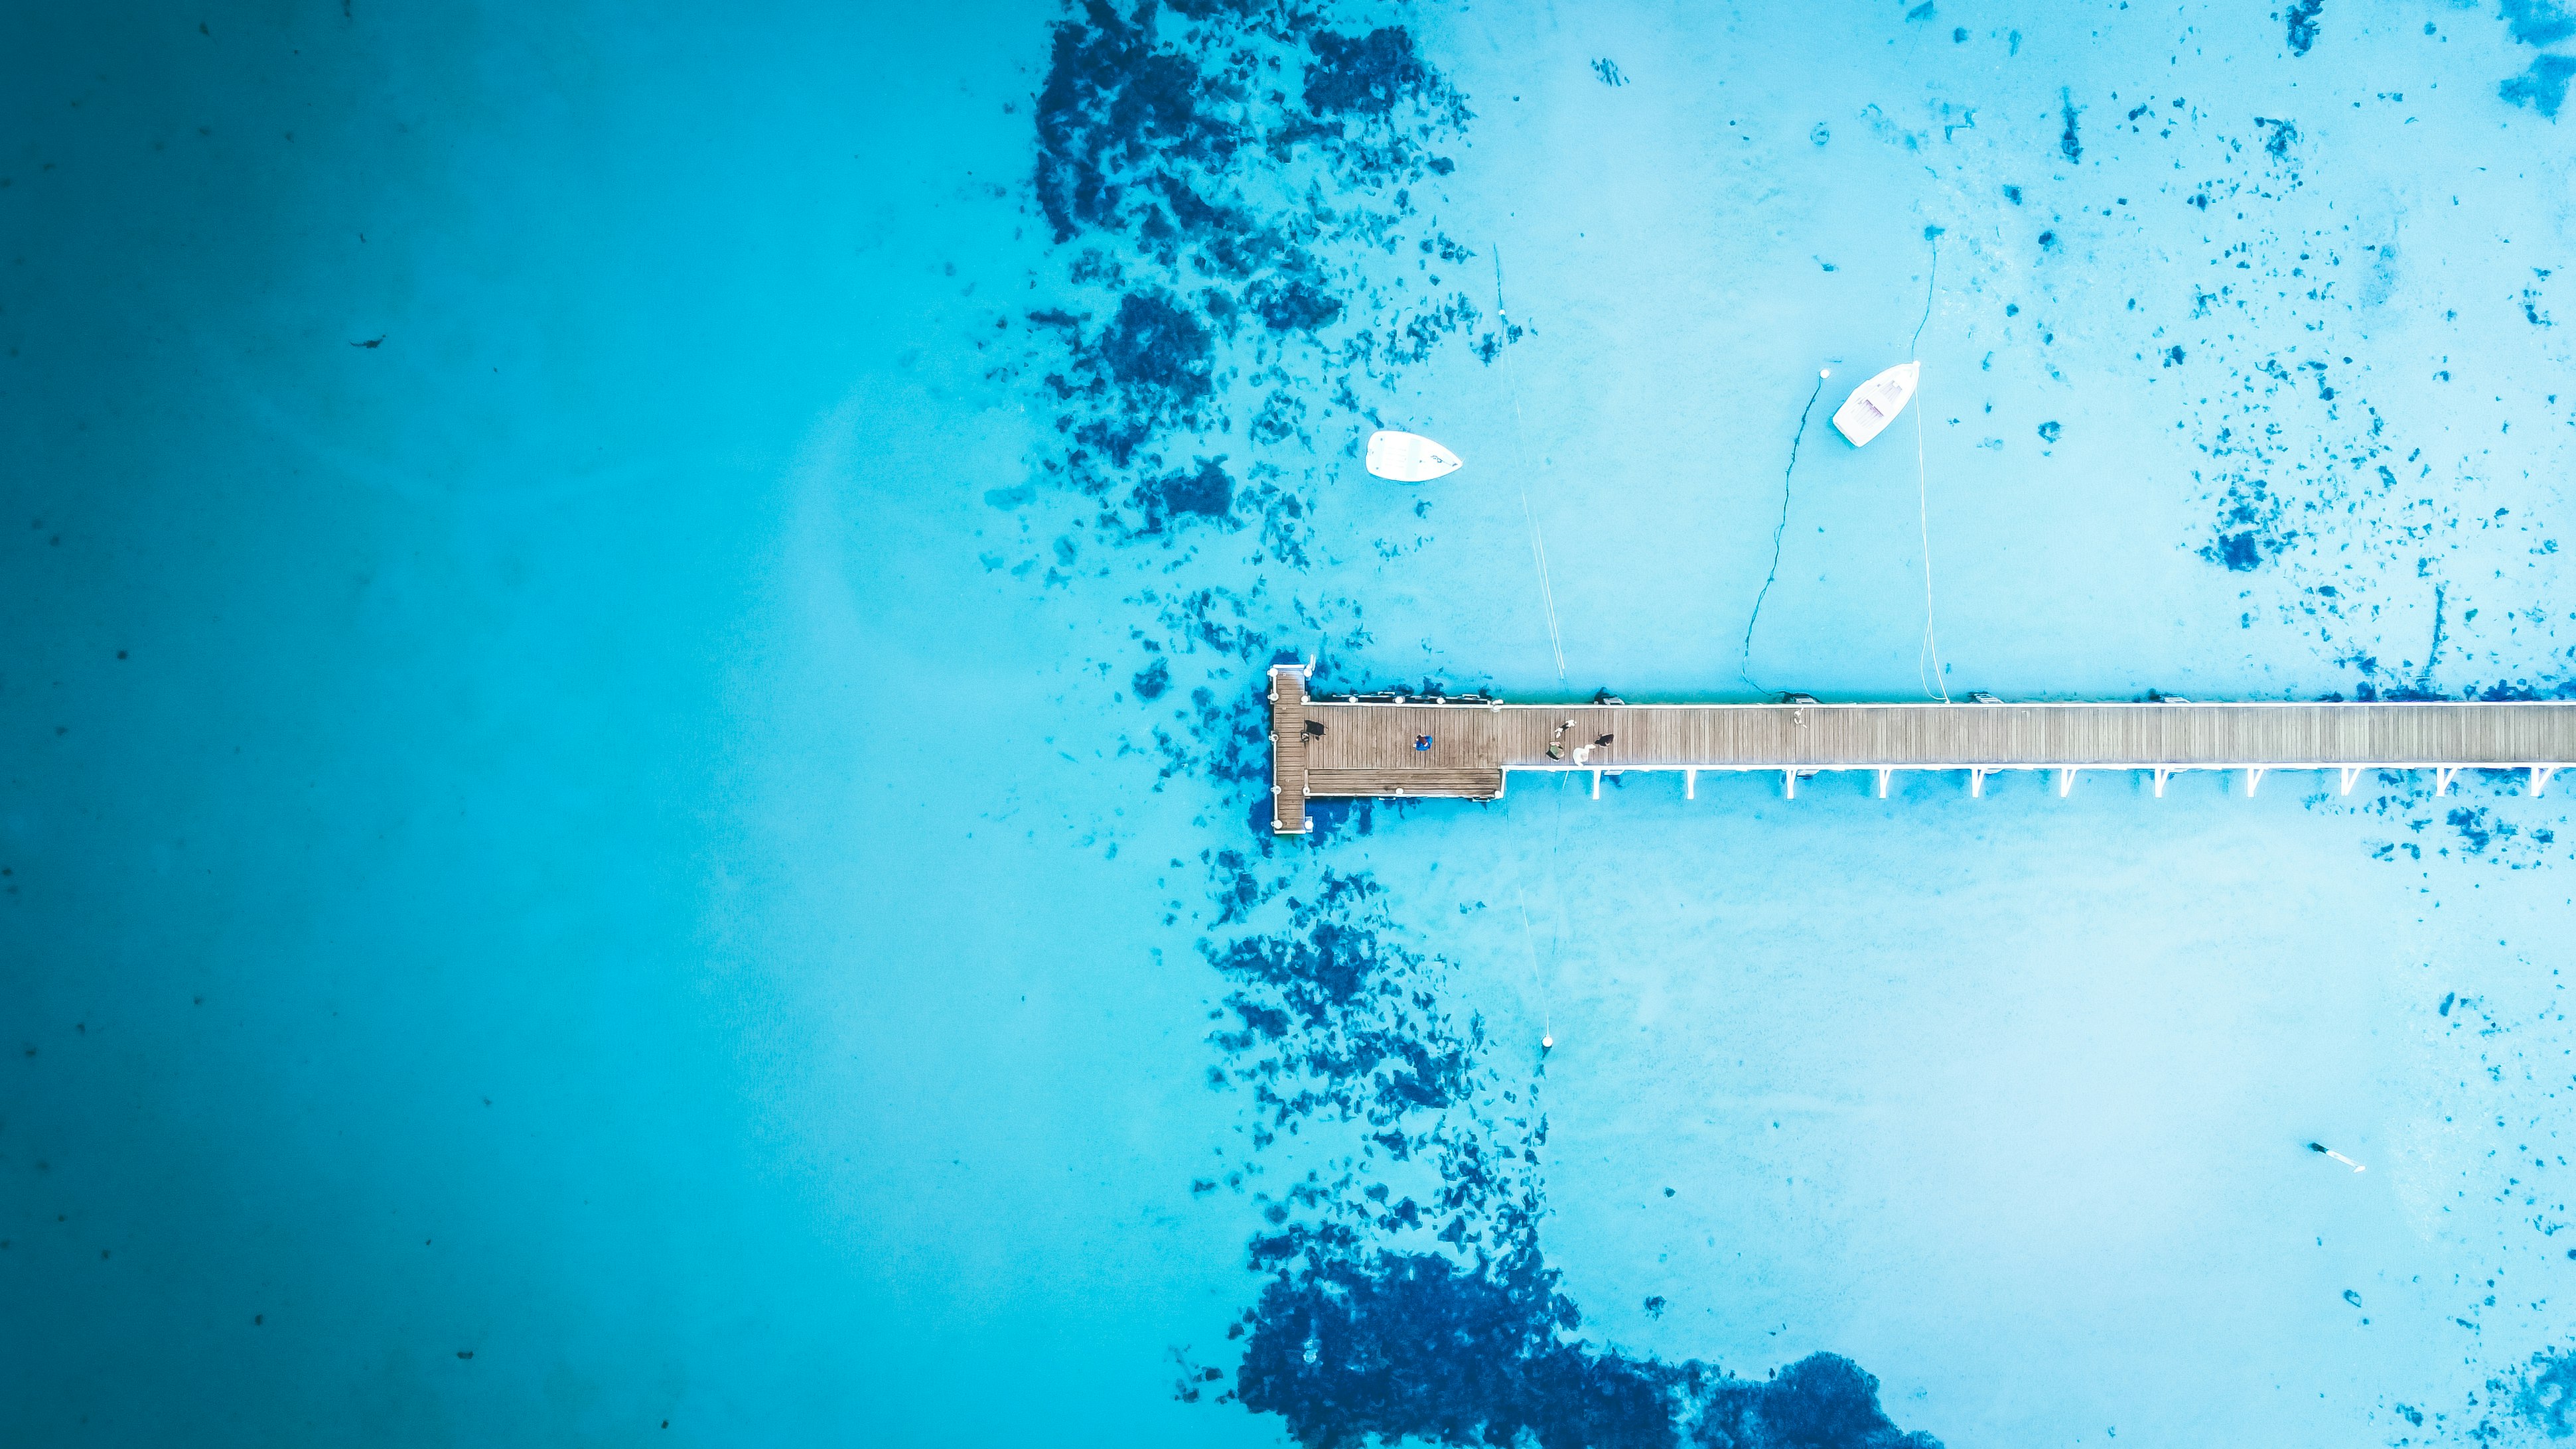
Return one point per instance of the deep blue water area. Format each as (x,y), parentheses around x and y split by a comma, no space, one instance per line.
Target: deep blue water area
(637,805)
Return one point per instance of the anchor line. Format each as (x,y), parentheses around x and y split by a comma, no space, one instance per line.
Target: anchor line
(1744,663)
(1930,653)
(1538,979)
(1520,459)
(1914,349)
(1931,650)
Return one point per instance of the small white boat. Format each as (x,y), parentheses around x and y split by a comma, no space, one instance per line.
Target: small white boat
(1408,457)
(1875,403)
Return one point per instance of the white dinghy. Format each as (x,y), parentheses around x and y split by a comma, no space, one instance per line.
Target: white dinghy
(1408,457)
(1875,403)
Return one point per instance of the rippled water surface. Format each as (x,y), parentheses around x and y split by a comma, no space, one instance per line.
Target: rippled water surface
(636,795)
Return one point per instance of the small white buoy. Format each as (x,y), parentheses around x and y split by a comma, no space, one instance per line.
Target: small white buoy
(1546,1043)
(1408,457)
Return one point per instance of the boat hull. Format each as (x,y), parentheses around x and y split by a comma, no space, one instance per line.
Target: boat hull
(1409,457)
(1875,403)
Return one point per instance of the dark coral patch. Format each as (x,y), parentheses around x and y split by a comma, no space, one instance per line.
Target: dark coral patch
(2545,1398)
(1116,100)
(1293,305)
(2543,87)
(2537,22)
(1153,680)
(1157,349)
(1148,370)
(1205,493)
(1359,1337)
(1175,148)
(2302,18)
(2240,552)
(1414,1346)
(1369,74)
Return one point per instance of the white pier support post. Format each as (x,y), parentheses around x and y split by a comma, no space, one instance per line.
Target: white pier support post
(2161,777)
(1976,784)
(1596,784)
(2442,781)
(2540,778)
(2065,783)
(2350,774)
(2252,779)
(1789,784)
(1690,784)
(1882,783)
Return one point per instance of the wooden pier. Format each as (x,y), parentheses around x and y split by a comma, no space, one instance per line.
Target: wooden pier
(1396,746)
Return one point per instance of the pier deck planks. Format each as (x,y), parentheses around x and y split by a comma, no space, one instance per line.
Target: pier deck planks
(1368,749)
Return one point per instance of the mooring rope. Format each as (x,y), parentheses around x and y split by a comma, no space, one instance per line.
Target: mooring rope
(1538,979)
(1520,459)
(1930,653)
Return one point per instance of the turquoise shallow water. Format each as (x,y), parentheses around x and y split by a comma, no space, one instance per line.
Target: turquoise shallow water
(634,644)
